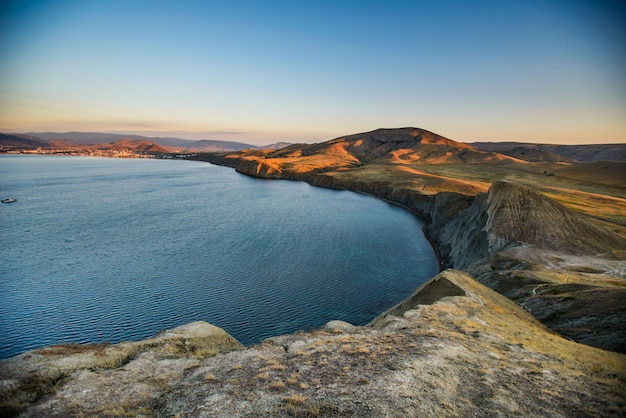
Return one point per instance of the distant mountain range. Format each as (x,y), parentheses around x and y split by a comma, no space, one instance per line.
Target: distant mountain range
(103,141)
(399,144)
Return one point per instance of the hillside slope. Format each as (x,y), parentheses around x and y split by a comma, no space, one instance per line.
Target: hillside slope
(563,153)
(393,145)
(134,145)
(76,140)
(513,215)
(9,141)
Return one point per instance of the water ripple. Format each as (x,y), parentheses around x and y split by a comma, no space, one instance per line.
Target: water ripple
(108,250)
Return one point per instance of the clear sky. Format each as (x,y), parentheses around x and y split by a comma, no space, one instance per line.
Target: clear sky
(308,71)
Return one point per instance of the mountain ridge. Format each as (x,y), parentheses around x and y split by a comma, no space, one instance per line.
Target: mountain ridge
(555,152)
(517,150)
(33,140)
(393,144)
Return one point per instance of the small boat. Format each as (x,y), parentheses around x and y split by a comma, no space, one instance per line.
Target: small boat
(9,200)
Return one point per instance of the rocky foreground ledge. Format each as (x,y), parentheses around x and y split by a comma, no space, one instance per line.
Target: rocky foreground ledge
(453,348)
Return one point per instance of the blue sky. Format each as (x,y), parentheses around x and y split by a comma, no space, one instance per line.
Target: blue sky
(308,71)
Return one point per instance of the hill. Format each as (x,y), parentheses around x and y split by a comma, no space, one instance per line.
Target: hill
(557,153)
(133,146)
(17,141)
(178,144)
(393,145)
(84,138)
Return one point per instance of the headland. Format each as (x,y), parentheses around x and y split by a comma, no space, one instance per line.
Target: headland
(528,317)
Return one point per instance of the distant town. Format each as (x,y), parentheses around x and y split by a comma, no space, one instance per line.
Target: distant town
(97,144)
(108,153)
(113,145)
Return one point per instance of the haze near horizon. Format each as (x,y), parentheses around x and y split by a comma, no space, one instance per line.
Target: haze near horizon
(262,72)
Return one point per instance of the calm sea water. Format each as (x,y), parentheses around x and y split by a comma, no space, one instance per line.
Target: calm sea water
(99,250)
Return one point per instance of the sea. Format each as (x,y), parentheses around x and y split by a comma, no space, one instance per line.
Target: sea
(107,250)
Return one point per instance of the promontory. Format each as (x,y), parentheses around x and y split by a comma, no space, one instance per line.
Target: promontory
(526,318)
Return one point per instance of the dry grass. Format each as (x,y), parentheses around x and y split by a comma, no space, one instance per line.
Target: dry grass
(294,378)
(276,386)
(263,376)
(210,377)
(295,399)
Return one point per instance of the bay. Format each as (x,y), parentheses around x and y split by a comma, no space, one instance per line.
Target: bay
(107,250)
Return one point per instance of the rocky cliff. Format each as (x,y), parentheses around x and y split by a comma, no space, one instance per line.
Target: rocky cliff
(454,348)
(513,215)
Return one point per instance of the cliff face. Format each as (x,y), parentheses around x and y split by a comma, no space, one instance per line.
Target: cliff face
(514,215)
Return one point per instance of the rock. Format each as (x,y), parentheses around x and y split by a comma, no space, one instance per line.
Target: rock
(28,377)
(445,284)
(514,215)
(198,336)
(453,348)
(338,326)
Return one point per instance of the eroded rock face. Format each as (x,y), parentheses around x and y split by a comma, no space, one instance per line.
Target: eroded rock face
(519,214)
(463,239)
(260,168)
(513,215)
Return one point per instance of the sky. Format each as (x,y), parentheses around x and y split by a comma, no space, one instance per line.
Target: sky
(546,71)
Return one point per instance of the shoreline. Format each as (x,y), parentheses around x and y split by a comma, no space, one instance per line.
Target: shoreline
(454,227)
(432,270)
(420,217)
(421,214)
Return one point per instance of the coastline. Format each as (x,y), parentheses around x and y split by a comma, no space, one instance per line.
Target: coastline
(453,347)
(238,324)
(423,207)
(503,241)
